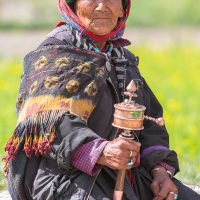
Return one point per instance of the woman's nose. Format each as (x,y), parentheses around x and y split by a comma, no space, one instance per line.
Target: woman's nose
(101,5)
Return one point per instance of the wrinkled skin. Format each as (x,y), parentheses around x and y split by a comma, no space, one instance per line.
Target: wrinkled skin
(162,185)
(116,154)
(99,16)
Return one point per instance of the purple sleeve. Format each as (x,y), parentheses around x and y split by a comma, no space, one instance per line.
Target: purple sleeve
(152,148)
(86,156)
(162,163)
(168,167)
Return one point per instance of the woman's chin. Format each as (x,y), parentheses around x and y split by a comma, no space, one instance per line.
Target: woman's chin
(100,32)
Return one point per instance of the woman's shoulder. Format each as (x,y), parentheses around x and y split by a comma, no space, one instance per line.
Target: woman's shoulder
(131,57)
(60,35)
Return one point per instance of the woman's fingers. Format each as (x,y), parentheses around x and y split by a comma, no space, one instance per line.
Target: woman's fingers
(162,186)
(120,154)
(155,187)
(169,196)
(172,196)
(129,144)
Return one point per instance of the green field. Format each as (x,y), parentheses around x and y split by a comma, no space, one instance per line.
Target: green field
(172,73)
(143,13)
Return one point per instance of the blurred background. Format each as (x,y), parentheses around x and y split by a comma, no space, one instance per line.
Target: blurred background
(164,34)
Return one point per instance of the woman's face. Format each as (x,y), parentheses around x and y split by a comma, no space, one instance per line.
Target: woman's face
(99,16)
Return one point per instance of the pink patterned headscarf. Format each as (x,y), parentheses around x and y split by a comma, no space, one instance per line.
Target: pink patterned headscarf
(71,18)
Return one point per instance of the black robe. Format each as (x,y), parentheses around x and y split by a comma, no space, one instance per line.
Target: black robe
(51,176)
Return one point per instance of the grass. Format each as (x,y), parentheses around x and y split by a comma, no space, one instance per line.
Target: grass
(10,72)
(173,75)
(164,13)
(143,13)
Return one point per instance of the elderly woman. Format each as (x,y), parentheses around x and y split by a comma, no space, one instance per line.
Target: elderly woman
(64,145)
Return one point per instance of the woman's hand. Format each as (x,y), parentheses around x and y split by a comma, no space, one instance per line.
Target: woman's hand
(117,154)
(162,185)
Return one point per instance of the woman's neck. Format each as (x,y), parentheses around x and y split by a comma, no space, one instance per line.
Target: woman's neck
(100,45)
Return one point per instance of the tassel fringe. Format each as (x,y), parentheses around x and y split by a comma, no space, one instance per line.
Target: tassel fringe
(36,133)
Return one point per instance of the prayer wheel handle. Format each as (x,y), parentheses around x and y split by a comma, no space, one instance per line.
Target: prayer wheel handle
(129,116)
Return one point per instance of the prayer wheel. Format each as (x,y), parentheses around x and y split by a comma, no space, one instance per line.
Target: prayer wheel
(129,116)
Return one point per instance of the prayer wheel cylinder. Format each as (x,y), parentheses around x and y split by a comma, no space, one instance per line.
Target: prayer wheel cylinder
(128,116)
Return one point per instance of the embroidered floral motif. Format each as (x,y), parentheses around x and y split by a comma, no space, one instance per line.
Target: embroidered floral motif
(62,62)
(20,101)
(84,67)
(41,62)
(72,86)
(51,81)
(91,89)
(42,104)
(33,87)
(100,70)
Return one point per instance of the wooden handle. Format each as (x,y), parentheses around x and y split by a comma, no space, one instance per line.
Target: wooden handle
(119,185)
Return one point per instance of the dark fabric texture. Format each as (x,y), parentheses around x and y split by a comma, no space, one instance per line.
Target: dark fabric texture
(52,177)
(56,80)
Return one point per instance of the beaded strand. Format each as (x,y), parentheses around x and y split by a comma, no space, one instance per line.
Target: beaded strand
(110,48)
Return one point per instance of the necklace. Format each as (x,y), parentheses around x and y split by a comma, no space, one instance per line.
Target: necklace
(107,54)
(110,48)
